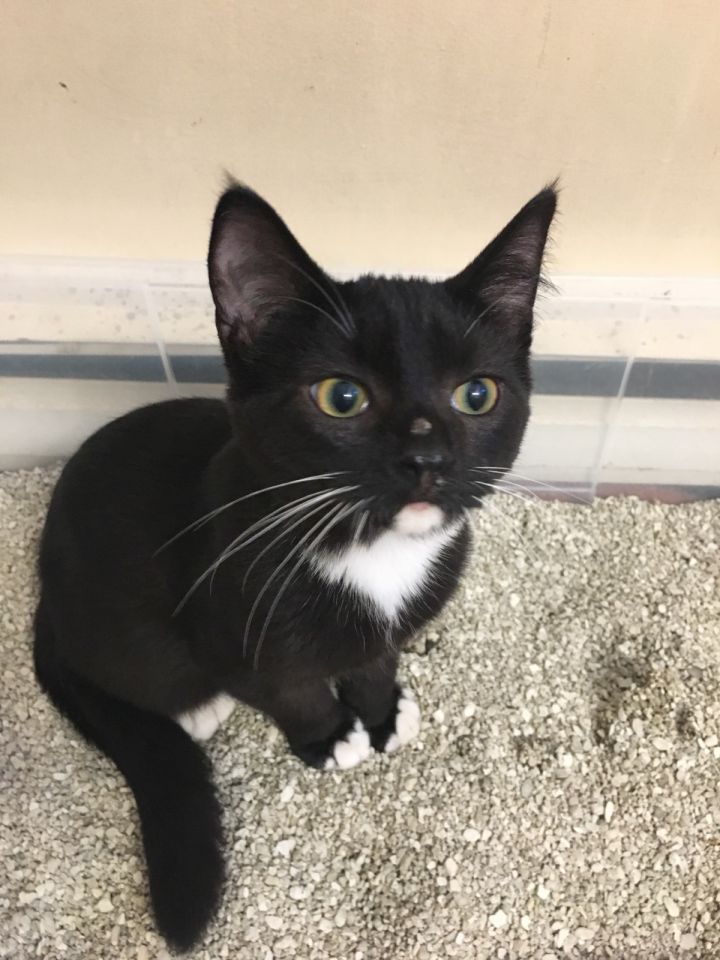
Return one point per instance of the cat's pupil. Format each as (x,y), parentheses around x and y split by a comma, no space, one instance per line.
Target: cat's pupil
(344,396)
(476,394)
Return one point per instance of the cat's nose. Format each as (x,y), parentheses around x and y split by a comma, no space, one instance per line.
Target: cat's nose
(427,463)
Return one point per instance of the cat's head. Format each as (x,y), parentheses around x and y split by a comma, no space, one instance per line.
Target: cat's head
(406,390)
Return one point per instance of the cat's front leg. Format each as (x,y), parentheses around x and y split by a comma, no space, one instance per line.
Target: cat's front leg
(322,731)
(387,710)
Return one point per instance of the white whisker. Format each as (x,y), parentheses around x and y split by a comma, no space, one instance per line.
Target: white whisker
(273,520)
(503,485)
(298,546)
(360,526)
(244,539)
(280,513)
(321,536)
(335,322)
(231,503)
(343,317)
(343,304)
(510,493)
(293,526)
(482,314)
(507,486)
(510,476)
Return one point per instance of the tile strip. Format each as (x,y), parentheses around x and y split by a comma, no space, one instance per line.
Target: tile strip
(670,380)
(578,376)
(556,376)
(197,368)
(147,368)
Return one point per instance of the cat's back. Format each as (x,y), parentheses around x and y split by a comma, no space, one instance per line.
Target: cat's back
(187,429)
(138,476)
(174,438)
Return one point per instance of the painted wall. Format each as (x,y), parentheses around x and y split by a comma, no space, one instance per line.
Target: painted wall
(391,134)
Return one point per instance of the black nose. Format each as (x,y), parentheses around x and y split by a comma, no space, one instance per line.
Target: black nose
(427,462)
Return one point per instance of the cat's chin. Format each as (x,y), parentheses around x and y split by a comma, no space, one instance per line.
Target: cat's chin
(418,519)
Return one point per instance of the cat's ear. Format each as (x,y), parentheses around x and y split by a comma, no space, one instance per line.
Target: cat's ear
(256,267)
(504,278)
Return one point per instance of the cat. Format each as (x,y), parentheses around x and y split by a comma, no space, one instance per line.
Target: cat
(279,548)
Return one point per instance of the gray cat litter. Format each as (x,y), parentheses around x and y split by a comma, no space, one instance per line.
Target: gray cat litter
(562,799)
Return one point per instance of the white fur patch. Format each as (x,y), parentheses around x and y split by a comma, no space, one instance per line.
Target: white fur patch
(390,570)
(202,722)
(416,520)
(407,723)
(351,751)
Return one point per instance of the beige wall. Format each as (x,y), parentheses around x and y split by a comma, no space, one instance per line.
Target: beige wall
(391,134)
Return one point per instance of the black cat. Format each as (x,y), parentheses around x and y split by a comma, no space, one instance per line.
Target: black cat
(280,548)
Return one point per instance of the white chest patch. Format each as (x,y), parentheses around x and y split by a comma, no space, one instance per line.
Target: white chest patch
(389,571)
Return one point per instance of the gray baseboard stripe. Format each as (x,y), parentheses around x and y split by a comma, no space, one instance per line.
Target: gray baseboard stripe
(557,376)
(694,380)
(147,368)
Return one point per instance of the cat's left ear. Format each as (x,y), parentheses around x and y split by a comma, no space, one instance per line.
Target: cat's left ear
(504,278)
(257,268)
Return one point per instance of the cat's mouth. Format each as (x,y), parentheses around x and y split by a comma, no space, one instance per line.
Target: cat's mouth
(419,517)
(414,512)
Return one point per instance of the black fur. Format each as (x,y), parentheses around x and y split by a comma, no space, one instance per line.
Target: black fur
(129,632)
(169,775)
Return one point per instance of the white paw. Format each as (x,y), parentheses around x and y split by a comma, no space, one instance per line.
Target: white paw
(407,722)
(351,751)
(202,722)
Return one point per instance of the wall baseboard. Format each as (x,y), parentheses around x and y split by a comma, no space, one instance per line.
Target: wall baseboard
(627,369)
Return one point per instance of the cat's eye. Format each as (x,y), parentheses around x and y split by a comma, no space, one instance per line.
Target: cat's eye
(475,396)
(340,398)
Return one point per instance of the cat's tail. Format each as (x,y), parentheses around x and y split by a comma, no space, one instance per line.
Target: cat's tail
(170,777)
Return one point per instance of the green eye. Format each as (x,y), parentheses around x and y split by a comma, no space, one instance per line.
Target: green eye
(477,396)
(340,398)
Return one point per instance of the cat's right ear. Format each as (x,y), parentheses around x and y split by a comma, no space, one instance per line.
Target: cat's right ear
(256,267)
(504,278)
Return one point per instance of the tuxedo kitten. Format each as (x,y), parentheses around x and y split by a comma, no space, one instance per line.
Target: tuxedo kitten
(280,547)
